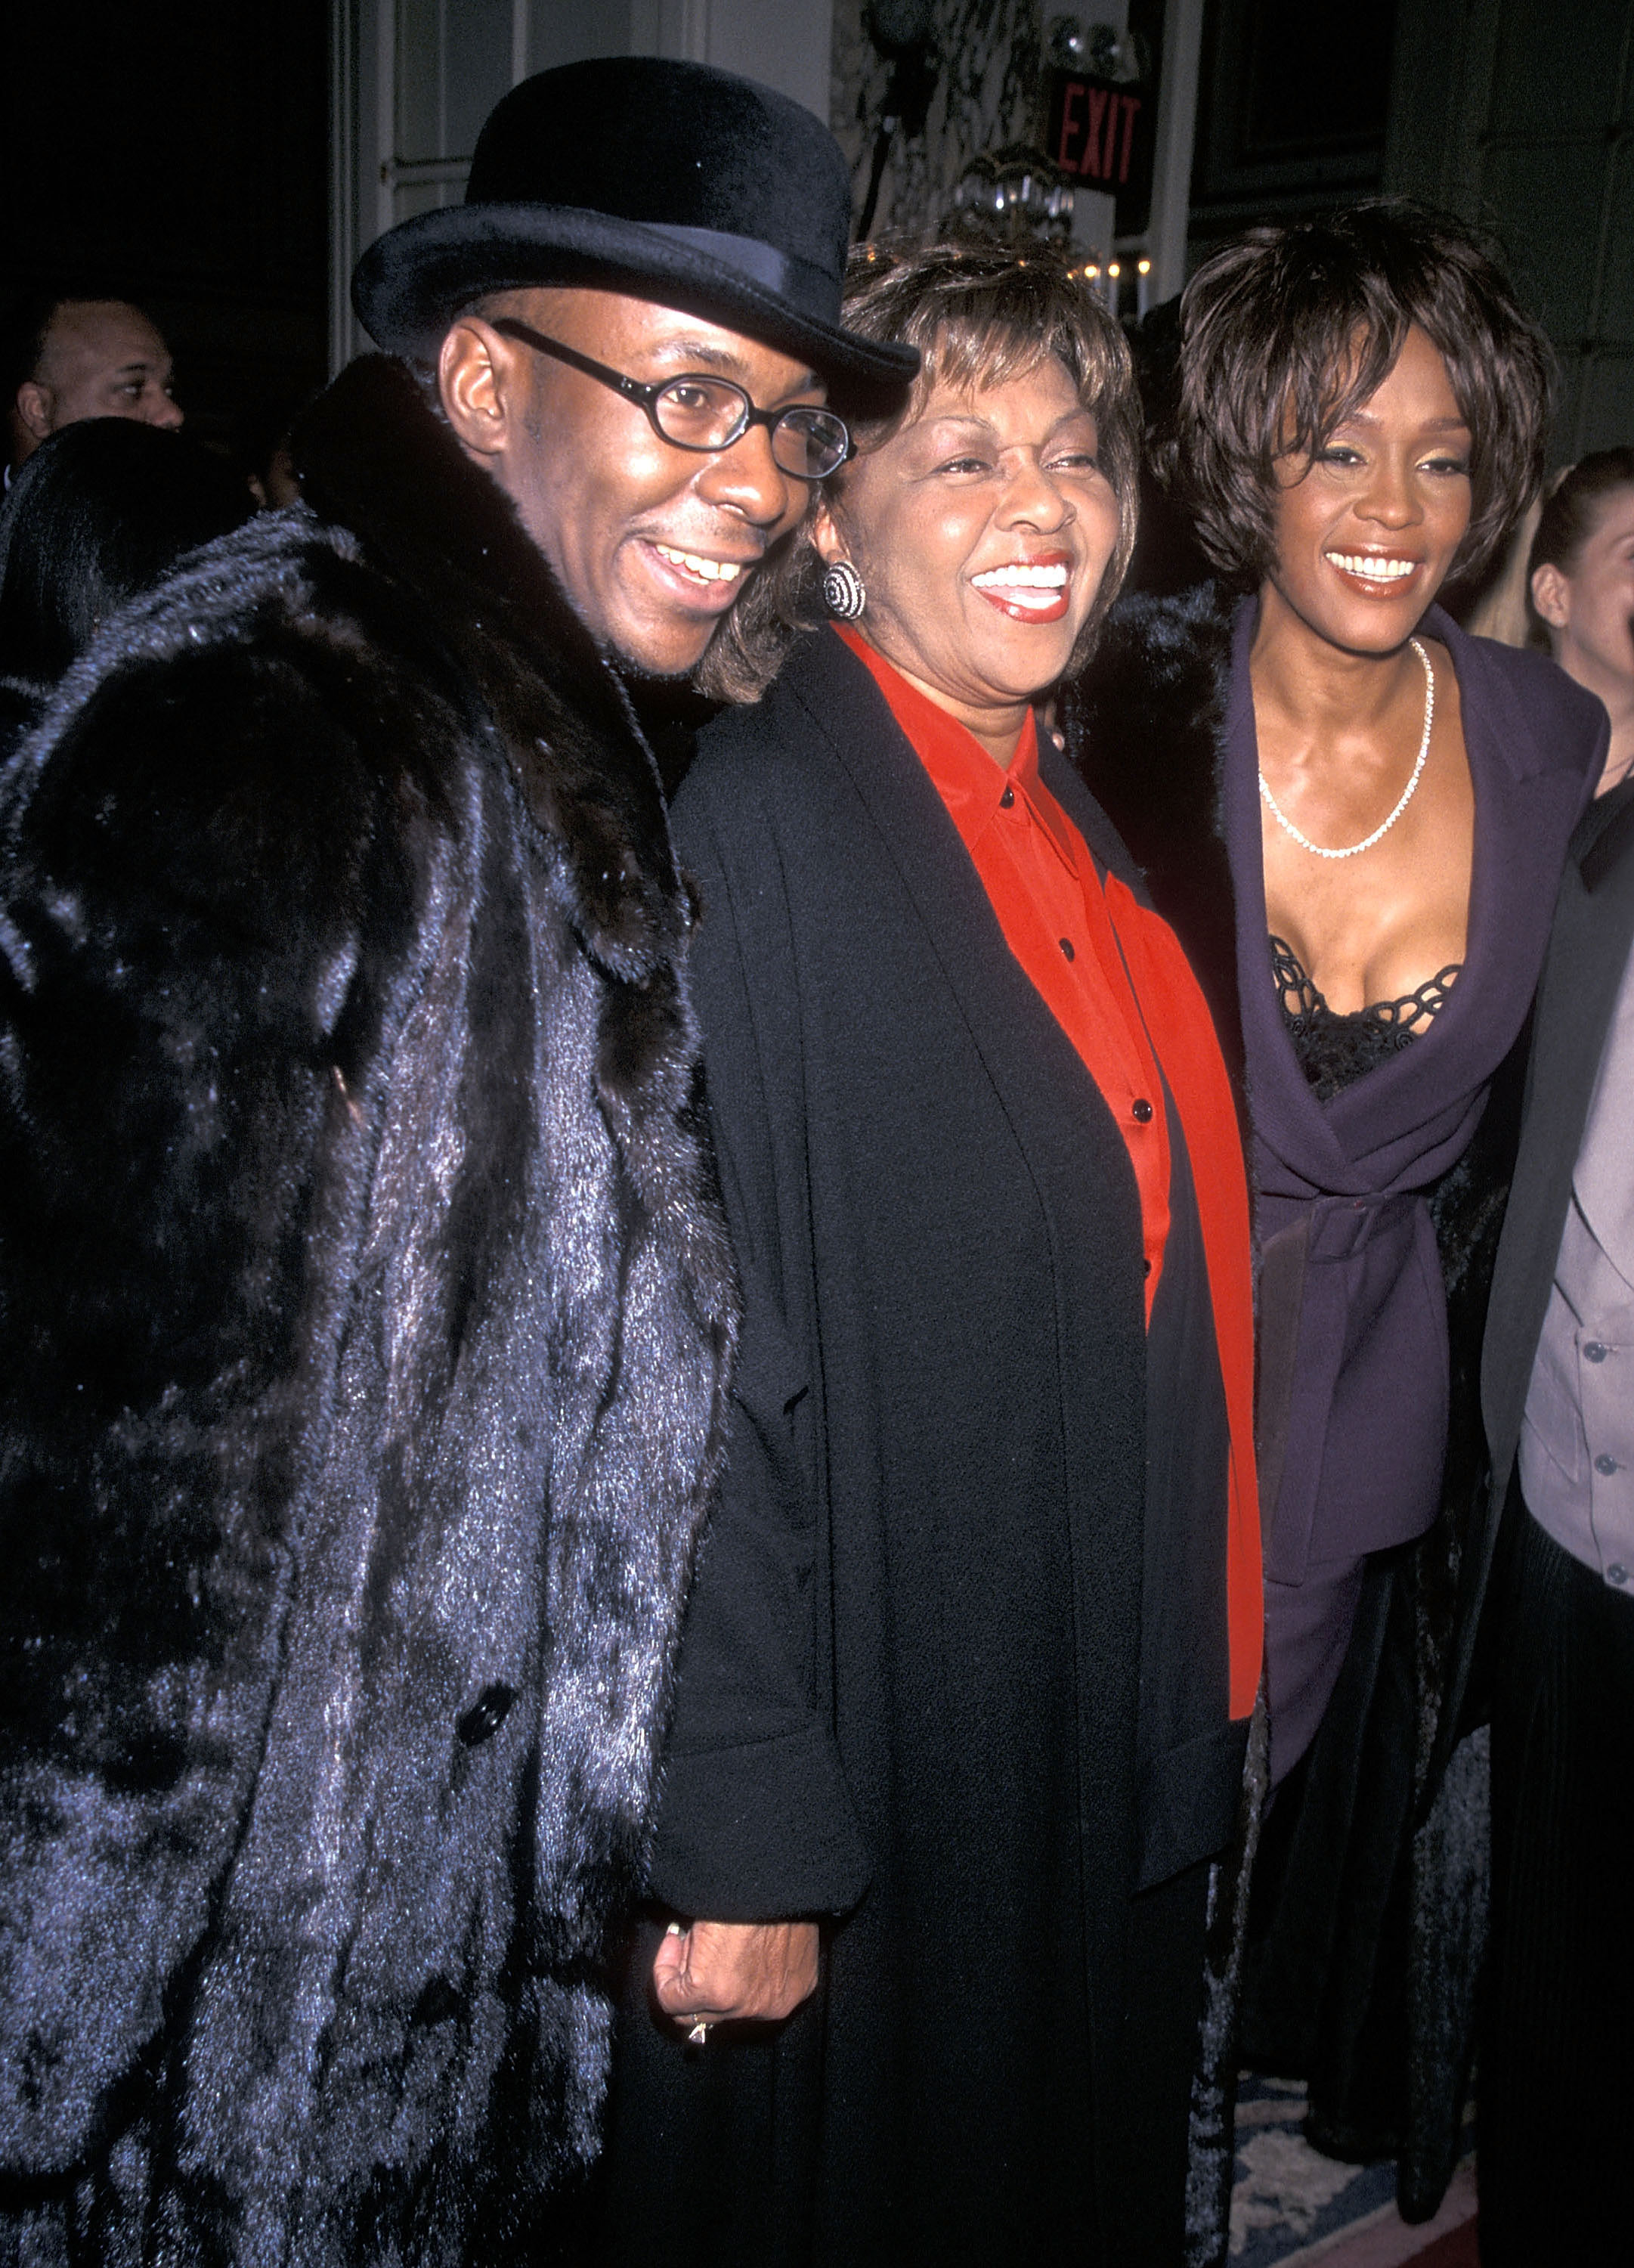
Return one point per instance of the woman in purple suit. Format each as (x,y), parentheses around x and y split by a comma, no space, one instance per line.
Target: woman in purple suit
(1356,817)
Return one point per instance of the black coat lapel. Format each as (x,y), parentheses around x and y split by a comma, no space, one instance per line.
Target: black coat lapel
(1005,1014)
(1075,1153)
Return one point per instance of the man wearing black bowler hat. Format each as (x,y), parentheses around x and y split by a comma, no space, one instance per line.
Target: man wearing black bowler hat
(365,1313)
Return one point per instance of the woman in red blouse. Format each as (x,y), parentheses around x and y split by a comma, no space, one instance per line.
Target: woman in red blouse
(977,1634)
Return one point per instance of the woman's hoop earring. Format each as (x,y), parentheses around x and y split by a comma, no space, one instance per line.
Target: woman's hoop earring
(844,591)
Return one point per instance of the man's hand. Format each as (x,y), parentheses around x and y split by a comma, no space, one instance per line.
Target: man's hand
(728,1971)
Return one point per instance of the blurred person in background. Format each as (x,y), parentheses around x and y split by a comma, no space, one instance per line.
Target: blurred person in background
(67,358)
(1556,2082)
(98,513)
(1580,581)
(1356,816)
(261,449)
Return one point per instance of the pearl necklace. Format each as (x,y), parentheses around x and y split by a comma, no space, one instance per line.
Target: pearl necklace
(1316,848)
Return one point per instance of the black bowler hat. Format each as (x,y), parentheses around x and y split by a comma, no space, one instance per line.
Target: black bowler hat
(683,184)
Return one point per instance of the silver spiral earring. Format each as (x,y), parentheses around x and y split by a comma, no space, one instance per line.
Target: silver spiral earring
(844,591)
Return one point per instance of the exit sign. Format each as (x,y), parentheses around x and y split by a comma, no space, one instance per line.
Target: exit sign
(1102,135)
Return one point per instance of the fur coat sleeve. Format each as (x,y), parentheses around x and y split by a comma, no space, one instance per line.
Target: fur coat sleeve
(364,1317)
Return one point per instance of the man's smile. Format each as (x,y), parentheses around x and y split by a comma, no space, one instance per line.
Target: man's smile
(694,583)
(696,564)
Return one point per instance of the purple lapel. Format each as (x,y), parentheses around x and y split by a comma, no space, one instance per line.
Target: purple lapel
(1404,1123)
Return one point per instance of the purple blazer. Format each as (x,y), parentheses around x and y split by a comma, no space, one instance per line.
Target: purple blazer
(1353,1379)
(1363,1354)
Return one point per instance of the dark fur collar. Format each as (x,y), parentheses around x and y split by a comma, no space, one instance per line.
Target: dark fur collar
(376,459)
(1146,724)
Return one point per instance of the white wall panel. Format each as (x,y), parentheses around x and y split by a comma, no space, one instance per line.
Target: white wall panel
(785,47)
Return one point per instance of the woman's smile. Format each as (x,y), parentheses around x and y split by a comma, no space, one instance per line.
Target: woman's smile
(1379,571)
(1029,590)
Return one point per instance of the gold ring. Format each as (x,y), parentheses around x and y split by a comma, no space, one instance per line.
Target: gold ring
(697,2031)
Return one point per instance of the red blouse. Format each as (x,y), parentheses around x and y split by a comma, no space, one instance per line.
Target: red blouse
(1113,975)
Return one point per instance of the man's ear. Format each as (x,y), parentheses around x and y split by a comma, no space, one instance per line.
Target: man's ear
(34,405)
(1551,597)
(477,378)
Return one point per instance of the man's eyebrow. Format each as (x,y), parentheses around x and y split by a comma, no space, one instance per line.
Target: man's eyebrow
(708,354)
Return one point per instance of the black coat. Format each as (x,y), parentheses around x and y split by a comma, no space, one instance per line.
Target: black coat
(365,1311)
(1362,1964)
(955,1668)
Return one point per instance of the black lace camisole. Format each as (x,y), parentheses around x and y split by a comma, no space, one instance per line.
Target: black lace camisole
(1333,1051)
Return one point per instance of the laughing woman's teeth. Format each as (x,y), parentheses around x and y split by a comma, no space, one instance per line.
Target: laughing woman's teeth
(712,571)
(1376,570)
(1038,578)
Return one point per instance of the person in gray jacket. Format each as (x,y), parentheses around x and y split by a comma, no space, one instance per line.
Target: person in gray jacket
(1557,2089)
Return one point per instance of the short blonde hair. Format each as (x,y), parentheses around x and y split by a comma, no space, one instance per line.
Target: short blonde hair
(979,316)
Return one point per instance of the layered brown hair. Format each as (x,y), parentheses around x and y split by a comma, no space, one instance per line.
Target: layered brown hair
(979,316)
(1286,333)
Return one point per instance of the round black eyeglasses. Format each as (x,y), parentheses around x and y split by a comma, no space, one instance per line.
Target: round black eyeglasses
(706,414)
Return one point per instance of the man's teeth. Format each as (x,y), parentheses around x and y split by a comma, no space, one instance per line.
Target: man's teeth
(712,571)
(1376,570)
(1035,579)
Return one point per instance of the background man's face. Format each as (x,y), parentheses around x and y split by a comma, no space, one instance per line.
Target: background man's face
(100,360)
(652,543)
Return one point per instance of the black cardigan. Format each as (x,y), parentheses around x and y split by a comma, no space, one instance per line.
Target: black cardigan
(956,1662)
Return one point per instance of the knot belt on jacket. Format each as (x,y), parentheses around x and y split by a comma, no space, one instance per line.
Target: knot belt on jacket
(1352,1299)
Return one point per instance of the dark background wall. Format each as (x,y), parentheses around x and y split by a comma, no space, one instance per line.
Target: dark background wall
(1517,113)
(176,154)
(1521,113)
(1295,98)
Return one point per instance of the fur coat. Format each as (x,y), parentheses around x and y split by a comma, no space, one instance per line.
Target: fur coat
(1361,1970)
(365,1313)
